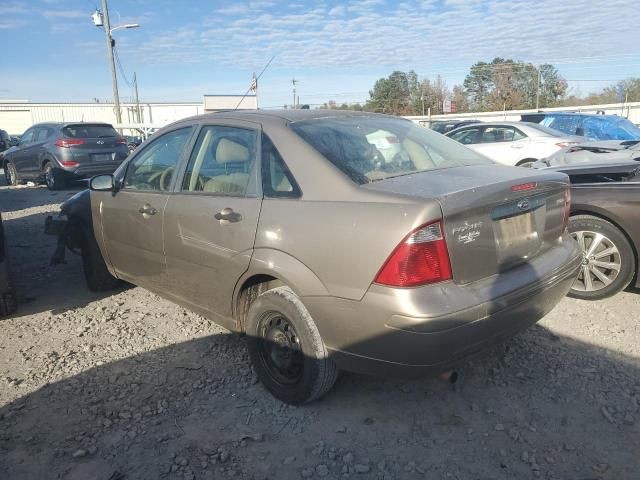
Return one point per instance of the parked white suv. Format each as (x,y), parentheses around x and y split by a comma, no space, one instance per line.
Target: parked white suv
(513,143)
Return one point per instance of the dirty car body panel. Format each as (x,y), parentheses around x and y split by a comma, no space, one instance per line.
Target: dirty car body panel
(256,195)
(611,191)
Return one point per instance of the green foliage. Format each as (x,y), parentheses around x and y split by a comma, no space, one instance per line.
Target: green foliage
(511,84)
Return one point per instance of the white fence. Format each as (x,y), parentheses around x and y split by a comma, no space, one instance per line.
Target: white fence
(630,110)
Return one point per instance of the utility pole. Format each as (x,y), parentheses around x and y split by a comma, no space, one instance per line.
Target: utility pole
(422,100)
(114,79)
(294,82)
(538,91)
(135,84)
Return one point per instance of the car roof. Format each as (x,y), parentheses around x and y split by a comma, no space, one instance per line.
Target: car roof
(280,116)
(581,114)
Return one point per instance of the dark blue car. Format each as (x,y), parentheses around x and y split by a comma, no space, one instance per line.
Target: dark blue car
(593,127)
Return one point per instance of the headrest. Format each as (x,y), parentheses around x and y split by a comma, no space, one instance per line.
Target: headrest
(230,151)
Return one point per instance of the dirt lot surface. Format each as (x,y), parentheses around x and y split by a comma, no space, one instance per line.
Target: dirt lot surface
(129,386)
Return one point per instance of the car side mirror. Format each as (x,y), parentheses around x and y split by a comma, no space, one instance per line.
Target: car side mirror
(102,183)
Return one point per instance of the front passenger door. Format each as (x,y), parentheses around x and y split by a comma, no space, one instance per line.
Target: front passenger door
(132,219)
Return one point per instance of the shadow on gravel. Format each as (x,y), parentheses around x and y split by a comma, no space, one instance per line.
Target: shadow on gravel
(24,196)
(537,406)
(39,286)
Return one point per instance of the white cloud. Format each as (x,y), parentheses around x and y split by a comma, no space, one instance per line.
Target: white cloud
(409,34)
(337,11)
(67,14)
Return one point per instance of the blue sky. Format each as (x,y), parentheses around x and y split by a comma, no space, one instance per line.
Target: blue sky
(53,52)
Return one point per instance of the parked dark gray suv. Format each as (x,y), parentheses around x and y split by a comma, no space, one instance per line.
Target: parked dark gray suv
(58,152)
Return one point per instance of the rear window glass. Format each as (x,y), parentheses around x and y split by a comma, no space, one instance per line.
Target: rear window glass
(89,131)
(368,149)
(545,131)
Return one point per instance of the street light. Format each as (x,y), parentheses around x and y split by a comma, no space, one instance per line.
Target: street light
(128,25)
(101,19)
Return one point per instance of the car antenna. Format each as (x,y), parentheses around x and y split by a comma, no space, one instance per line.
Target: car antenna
(257,78)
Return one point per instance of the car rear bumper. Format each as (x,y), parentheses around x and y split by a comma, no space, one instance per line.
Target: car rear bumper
(431,329)
(88,171)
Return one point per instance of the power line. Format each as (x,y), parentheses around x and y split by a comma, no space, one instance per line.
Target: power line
(124,75)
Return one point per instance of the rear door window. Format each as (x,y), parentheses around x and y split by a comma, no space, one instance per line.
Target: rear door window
(89,131)
(222,161)
(42,134)
(467,136)
(501,134)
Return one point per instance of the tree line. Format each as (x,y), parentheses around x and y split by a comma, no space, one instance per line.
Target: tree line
(502,84)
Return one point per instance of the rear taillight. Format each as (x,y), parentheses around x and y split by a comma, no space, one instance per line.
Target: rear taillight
(69,142)
(565,144)
(566,209)
(121,141)
(421,258)
(69,163)
(523,187)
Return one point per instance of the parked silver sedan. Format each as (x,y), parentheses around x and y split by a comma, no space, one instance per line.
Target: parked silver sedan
(293,228)
(513,143)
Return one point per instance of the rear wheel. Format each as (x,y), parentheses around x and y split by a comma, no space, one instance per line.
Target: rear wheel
(608,261)
(96,274)
(53,177)
(11,174)
(286,349)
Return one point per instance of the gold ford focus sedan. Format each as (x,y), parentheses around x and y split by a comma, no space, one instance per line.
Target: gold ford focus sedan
(333,240)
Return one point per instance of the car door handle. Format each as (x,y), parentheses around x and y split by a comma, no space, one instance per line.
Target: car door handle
(517,146)
(228,215)
(147,210)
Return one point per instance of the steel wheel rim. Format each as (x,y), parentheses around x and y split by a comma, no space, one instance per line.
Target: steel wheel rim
(601,261)
(48,177)
(10,174)
(279,348)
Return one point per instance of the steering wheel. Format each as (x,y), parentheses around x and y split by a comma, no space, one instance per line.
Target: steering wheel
(165,178)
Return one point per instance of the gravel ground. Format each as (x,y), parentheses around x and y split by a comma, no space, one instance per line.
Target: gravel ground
(129,386)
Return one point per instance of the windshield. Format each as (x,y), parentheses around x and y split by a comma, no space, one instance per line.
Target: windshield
(84,130)
(368,149)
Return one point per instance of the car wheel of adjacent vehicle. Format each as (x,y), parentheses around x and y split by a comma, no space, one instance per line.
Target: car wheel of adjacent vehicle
(608,261)
(96,274)
(286,349)
(53,177)
(11,174)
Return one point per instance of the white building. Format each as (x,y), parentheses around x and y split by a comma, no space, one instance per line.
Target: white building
(18,115)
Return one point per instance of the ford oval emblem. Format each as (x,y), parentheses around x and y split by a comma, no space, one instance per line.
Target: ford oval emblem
(523,204)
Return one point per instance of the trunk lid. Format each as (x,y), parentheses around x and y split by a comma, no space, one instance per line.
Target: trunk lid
(490,226)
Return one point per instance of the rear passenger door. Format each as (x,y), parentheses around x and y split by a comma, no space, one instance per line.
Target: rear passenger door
(36,148)
(210,221)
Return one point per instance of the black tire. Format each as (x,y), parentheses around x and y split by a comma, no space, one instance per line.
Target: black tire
(95,270)
(310,372)
(622,255)
(8,303)
(53,177)
(11,174)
